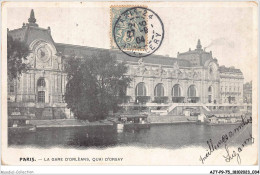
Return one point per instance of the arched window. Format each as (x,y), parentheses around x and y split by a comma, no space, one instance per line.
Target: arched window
(176,90)
(159,90)
(41,96)
(140,89)
(41,82)
(210,100)
(210,89)
(11,87)
(192,91)
(210,70)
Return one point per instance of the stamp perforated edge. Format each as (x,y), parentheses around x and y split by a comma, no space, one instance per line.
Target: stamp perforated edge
(111,29)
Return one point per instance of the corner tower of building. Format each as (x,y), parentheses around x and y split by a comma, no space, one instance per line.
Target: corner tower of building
(31,31)
(32,19)
(199,45)
(197,57)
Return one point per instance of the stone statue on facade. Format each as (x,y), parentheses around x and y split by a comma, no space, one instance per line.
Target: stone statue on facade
(141,67)
(175,66)
(176,70)
(160,71)
(141,62)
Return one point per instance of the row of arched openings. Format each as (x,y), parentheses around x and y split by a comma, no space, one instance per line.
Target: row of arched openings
(139,91)
(159,90)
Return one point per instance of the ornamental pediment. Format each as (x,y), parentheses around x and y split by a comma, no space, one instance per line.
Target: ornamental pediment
(44,56)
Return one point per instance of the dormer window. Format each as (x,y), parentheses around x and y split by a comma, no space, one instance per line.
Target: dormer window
(41,82)
(209,89)
(11,88)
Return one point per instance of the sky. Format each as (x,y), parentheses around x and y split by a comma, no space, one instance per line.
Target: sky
(227,31)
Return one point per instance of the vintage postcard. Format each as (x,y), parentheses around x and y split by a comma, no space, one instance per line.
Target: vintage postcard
(129,83)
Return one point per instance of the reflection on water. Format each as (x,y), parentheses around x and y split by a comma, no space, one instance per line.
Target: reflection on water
(170,136)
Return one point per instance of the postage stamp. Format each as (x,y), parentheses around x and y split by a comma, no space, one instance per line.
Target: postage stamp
(137,31)
(115,13)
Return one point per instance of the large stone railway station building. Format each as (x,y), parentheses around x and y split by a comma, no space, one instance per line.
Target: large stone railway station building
(194,77)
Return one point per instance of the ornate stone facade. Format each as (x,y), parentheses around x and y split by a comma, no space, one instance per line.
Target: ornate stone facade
(193,77)
(40,90)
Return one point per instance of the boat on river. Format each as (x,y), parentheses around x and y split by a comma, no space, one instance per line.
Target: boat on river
(222,118)
(214,120)
(20,124)
(131,121)
(22,129)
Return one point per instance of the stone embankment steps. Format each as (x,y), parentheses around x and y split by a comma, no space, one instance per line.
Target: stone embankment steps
(206,108)
(171,107)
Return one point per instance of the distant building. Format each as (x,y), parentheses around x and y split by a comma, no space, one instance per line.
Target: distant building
(193,77)
(231,85)
(248,92)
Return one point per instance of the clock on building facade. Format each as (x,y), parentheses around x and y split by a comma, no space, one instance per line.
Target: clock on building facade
(43,52)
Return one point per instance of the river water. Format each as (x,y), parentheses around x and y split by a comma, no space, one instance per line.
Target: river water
(165,135)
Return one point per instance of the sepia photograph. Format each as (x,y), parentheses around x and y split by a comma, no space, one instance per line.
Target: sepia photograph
(129,83)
